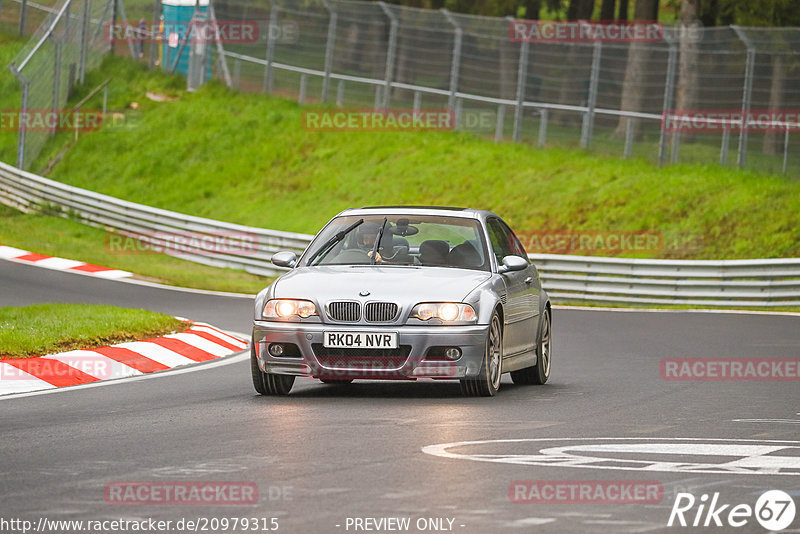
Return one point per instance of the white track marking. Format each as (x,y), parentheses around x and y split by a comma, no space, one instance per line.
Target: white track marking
(200,343)
(13,380)
(778,421)
(113,274)
(8,253)
(747,456)
(668,310)
(236,358)
(58,263)
(158,353)
(219,334)
(94,364)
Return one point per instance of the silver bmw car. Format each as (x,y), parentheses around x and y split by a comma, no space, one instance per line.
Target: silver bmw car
(402,293)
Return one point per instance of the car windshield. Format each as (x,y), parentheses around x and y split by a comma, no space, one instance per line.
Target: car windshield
(416,240)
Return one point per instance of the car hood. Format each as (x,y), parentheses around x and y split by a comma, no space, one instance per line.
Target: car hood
(395,284)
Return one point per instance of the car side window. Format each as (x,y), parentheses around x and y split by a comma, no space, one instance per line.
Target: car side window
(504,242)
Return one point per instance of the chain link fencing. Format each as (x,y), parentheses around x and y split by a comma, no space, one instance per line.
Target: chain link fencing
(725,95)
(70,40)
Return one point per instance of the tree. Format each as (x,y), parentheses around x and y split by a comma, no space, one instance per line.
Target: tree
(686,94)
(636,69)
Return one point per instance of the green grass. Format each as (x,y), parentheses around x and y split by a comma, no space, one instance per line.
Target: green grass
(40,329)
(246,158)
(67,238)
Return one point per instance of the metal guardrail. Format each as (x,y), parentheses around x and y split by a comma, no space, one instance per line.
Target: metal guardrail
(767,282)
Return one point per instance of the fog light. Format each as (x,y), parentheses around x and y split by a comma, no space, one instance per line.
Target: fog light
(276,349)
(452,353)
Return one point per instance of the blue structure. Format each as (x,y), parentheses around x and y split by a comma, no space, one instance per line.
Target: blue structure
(177,15)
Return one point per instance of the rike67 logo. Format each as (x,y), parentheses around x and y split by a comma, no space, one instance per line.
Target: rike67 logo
(774,510)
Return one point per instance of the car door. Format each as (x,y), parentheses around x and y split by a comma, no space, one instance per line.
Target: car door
(522,305)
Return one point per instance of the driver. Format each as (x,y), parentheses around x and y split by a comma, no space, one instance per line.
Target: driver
(365,239)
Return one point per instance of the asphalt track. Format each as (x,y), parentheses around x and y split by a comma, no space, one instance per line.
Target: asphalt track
(328,453)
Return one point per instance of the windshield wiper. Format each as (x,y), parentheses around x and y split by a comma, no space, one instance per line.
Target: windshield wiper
(377,242)
(332,241)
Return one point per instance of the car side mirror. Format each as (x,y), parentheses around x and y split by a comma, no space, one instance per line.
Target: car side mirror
(513,263)
(285,258)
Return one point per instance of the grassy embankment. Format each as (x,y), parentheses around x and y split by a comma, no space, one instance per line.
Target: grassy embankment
(247,158)
(40,329)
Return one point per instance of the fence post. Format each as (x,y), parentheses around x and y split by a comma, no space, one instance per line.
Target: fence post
(522,76)
(340,93)
(23,16)
(723,151)
(125,22)
(273,23)
(669,87)
(676,143)
(23,108)
(329,45)
(84,41)
(151,60)
(301,96)
(391,50)
(747,91)
(417,101)
(786,150)
(223,62)
(113,23)
(455,65)
(543,126)
(498,129)
(588,118)
(629,131)
(56,78)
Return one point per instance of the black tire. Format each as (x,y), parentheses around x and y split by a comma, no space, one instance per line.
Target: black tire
(268,383)
(539,373)
(336,381)
(488,381)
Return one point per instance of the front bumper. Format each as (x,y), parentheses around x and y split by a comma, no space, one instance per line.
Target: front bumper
(312,360)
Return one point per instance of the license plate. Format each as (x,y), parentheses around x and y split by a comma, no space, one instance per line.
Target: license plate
(360,340)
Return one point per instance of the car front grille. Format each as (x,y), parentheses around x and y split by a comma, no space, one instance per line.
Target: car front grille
(361,359)
(345,311)
(380,312)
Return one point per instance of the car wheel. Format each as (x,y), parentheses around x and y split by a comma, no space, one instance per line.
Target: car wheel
(339,381)
(539,373)
(268,383)
(488,381)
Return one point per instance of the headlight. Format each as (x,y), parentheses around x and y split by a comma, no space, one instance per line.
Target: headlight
(286,308)
(448,312)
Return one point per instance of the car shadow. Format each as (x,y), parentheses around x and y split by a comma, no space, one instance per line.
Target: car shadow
(310,389)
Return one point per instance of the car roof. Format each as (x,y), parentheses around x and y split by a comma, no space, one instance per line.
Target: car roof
(467,213)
